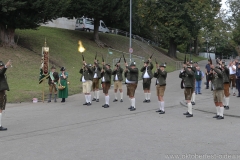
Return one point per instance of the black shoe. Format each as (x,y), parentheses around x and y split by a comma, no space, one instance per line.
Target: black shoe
(145,101)
(193,103)
(215,116)
(85,103)
(106,106)
(62,101)
(148,101)
(238,96)
(49,101)
(121,100)
(227,107)
(207,87)
(189,115)
(220,117)
(89,104)
(224,106)
(159,110)
(94,99)
(199,93)
(97,100)
(2,128)
(132,109)
(115,100)
(162,112)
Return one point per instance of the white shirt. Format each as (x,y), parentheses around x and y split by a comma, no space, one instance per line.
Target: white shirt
(95,75)
(103,79)
(127,81)
(83,79)
(116,78)
(146,75)
(231,71)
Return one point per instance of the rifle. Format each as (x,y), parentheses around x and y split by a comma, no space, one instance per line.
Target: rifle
(185,60)
(150,58)
(120,60)
(82,57)
(102,58)
(124,58)
(96,56)
(210,59)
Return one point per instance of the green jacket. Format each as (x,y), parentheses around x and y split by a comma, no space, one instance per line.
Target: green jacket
(161,77)
(118,72)
(198,77)
(107,73)
(225,74)
(149,70)
(131,74)
(188,78)
(3,80)
(217,80)
(97,70)
(87,73)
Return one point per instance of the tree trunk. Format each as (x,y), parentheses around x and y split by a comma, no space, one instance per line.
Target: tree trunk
(172,48)
(195,43)
(96,28)
(7,35)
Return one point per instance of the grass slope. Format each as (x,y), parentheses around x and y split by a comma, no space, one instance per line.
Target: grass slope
(63,44)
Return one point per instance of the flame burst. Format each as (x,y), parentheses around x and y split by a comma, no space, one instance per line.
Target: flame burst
(81,49)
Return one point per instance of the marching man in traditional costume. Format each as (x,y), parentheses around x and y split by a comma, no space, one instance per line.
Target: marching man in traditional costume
(218,94)
(161,76)
(96,76)
(131,74)
(3,88)
(147,77)
(52,82)
(188,76)
(117,78)
(86,79)
(106,74)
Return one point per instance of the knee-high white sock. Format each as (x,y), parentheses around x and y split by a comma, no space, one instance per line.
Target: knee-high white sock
(234,89)
(94,94)
(162,104)
(224,101)
(0,119)
(193,97)
(190,108)
(221,111)
(86,98)
(159,104)
(149,96)
(227,101)
(133,102)
(115,95)
(146,96)
(89,98)
(218,110)
(107,99)
(121,95)
(97,94)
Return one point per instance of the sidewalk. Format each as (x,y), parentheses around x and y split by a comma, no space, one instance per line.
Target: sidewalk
(204,102)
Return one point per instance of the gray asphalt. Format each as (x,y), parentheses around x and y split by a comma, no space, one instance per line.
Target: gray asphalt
(71,131)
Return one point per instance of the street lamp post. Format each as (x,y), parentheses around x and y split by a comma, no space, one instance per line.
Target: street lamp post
(130,36)
(207,47)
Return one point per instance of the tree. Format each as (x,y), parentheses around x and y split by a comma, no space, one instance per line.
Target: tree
(177,21)
(112,12)
(27,14)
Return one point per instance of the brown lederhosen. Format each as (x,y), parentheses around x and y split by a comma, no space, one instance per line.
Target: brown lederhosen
(226,89)
(53,87)
(146,83)
(232,79)
(188,93)
(3,100)
(95,84)
(131,87)
(105,86)
(160,90)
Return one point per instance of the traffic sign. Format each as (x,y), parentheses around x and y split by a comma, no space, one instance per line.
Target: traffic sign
(130,50)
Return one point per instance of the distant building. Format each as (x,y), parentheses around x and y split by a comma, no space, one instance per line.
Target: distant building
(206,55)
